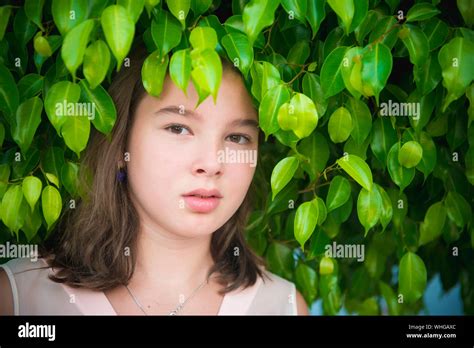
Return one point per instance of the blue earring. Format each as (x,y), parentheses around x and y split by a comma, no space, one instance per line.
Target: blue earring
(121,175)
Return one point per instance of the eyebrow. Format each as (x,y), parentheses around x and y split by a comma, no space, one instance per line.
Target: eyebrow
(173,109)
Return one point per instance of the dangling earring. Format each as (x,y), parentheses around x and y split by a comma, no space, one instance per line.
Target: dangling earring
(121,175)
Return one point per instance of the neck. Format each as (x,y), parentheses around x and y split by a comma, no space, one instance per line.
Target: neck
(167,260)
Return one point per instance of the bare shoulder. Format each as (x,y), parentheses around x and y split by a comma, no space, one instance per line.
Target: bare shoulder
(6,302)
(301,306)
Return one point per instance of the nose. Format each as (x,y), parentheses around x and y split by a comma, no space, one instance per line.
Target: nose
(207,161)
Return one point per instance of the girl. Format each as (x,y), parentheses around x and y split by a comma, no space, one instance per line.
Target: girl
(161,230)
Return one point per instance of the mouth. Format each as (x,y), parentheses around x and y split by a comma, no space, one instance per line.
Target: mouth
(202,200)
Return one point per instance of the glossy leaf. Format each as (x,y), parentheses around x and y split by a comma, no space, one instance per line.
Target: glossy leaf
(179,9)
(340,125)
(357,169)
(203,37)
(206,73)
(68,13)
(9,97)
(369,208)
(299,115)
(105,113)
(153,73)
(239,50)
(400,175)
(119,30)
(96,63)
(269,108)
(10,208)
(180,69)
(133,7)
(421,12)
(257,15)
(345,10)
(51,203)
(28,118)
(376,68)
(282,174)
(432,225)
(458,209)
(331,77)
(411,277)
(31,188)
(410,154)
(74,45)
(306,219)
(58,99)
(315,14)
(339,192)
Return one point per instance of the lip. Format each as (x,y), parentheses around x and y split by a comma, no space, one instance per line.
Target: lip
(208,202)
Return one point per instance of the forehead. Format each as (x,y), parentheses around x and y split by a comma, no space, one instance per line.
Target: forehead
(233,99)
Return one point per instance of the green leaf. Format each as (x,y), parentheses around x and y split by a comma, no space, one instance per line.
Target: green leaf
(264,77)
(200,6)
(203,37)
(458,209)
(52,205)
(5,12)
(427,75)
(326,266)
(416,43)
(239,50)
(119,30)
(340,125)
(34,11)
(10,208)
(383,138)
(206,73)
(9,97)
(296,8)
(75,132)
(432,225)
(360,12)
(166,32)
(59,97)
(315,148)
(369,208)
(42,46)
(153,73)
(411,277)
(68,13)
(345,10)
(180,69)
(339,192)
(280,259)
(306,280)
(330,294)
(315,15)
(257,15)
(387,208)
(421,12)
(52,178)
(28,118)
(269,108)
(282,174)
(323,212)
(457,72)
(31,188)
(299,115)
(96,63)
(390,298)
(69,175)
(376,68)
(312,88)
(105,112)
(410,154)
(306,219)
(331,77)
(357,169)
(74,45)
(52,161)
(133,7)
(436,32)
(400,175)
(467,11)
(179,9)
(351,71)
(361,120)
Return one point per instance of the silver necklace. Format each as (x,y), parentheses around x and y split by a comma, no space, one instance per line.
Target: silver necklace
(178,308)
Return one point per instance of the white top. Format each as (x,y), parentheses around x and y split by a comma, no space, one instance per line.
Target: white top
(35,294)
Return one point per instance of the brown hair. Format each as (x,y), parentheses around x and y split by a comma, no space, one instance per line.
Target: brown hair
(89,242)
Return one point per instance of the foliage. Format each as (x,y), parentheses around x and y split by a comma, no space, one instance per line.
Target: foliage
(327,78)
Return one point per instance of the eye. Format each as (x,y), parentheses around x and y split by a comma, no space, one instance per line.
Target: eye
(177,129)
(238,138)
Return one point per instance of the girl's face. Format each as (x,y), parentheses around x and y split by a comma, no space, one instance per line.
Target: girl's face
(175,149)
